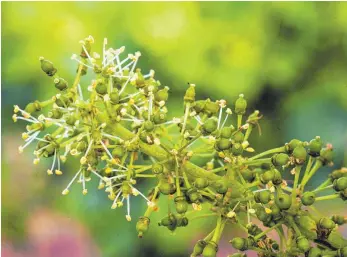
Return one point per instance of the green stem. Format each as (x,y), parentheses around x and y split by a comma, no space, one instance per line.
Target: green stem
(327,197)
(257,162)
(316,166)
(296,182)
(78,76)
(218,230)
(271,151)
(239,120)
(248,132)
(189,143)
(322,189)
(324,184)
(203,216)
(257,237)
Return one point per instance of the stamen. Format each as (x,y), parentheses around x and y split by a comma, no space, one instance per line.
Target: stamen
(128,217)
(50,171)
(80,91)
(107,151)
(28,141)
(66,190)
(86,52)
(114,204)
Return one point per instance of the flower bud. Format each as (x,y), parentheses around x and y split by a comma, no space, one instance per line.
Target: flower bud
(339,220)
(162,95)
(303,244)
(55,114)
(240,243)
(326,155)
(221,187)
(314,252)
(159,117)
(277,179)
(263,215)
(240,105)
(326,223)
(60,84)
(248,175)
(340,184)
(190,94)
(193,195)
(238,137)
(237,149)
(142,226)
(209,126)
(226,132)
(267,176)
(181,221)
(222,144)
(47,67)
(198,248)
(169,221)
(33,107)
(167,188)
(157,168)
(315,146)
(262,197)
(181,204)
(199,106)
(308,198)
(101,88)
(300,154)
(148,125)
(280,159)
(114,97)
(118,152)
(201,183)
(71,119)
(292,145)
(211,108)
(210,249)
(283,201)
(342,252)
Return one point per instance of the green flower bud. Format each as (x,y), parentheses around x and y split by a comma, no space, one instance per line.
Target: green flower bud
(254,230)
(303,244)
(277,179)
(182,221)
(162,95)
(118,151)
(209,126)
(159,117)
(201,183)
(262,197)
(338,173)
(148,125)
(101,88)
(114,97)
(210,249)
(326,155)
(63,101)
(307,226)
(221,187)
(300,154)
(315,146)
(193,195)
(199,106)
(240,105)
(157,168)
(314,252)
(211,108)
(248,175)
(33,107)
(237,149)
(81,146)
(47,67)
(340,184)
(263,215)
(280,159)
(238,137)
(198,248)
(55,114)
(339,220)
(181,204)
(222,144)
(169,221)
(326,223)
(283,201)
(167,188)
(60,84)
(71,119)
(292,145)
(142,226)
(226,132)
(240,243)
(308,198)
(190,94)
(267,176)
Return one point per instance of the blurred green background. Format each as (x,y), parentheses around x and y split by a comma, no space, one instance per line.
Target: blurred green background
(289,59)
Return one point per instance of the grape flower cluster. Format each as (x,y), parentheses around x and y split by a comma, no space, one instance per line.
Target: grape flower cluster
(119,129)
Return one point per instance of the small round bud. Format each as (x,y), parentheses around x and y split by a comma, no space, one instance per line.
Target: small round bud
(326,155)
(210,249)
(193,195)
(315,146)
(292,145)
(114,97)
(201,183)
(221,187)
(314,252)
(167,188)
(101,88)
(60,84)
(303,244)
(209,126)
(240,243)
(262,197)
(280,159)
(190,94)
(300,154)
(118,152)
(198,248)
(326,223)
(267,176)
(142,226)
(32,107)
(47,67)
(237,149)
(308,198)
(181,204)
(238,137)
(240,105)
(226,132)
(162,95)
(222,144)
(340,184)
(148,125)
(283,201)
(159,117)
(339,220)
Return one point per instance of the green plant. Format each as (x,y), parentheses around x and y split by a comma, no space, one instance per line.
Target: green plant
(124,123)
